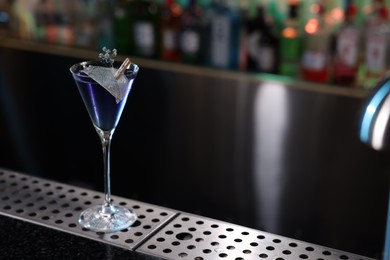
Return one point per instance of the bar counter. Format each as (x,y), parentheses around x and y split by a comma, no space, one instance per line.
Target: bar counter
(38,219)
(263,152)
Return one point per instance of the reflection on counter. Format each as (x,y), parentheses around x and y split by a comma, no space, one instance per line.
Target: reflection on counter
(342,42)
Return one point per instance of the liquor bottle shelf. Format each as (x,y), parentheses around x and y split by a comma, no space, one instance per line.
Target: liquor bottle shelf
(59,50)
(158,232)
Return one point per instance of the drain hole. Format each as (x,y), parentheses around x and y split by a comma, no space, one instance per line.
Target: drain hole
(293,244)
(152,247)
(136,223)
(309,248)
(184,236)
(183,254)
(114,237)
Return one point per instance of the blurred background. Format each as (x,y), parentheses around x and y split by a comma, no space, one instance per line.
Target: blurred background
(244,111)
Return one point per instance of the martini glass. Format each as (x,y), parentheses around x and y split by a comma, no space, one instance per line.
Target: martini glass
(105,106)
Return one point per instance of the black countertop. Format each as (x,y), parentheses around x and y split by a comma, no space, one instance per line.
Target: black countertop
(23,240)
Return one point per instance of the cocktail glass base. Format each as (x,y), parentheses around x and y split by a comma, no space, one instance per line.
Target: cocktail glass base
(107,218)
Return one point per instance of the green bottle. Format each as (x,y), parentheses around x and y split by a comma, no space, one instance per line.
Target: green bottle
(290,47)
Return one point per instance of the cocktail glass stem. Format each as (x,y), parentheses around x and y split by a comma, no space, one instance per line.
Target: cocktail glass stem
(105,138)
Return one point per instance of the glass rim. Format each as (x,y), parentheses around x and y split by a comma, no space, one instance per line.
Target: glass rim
(134,69)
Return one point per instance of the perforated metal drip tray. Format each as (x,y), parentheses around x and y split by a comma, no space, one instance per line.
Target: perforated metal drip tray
(159,231)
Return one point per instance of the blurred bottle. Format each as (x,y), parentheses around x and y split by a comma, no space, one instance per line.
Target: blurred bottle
(22,20)
(85,13)
(65,31)
(5,17)
(190,38)
(346,60)
(262,43)
(290,47)
(141,25)
(105,25)
(376,45)
(41,21)
(315,60)
(225,34)
(122,32)
(170,31)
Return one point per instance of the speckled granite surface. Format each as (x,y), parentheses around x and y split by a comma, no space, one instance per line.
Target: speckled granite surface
(24,240)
